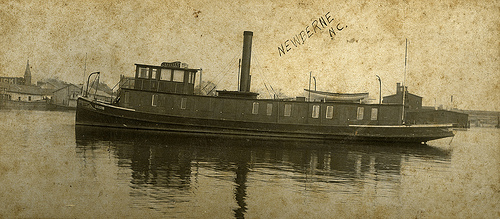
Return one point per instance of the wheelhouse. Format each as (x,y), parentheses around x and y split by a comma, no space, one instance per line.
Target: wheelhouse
(170,77)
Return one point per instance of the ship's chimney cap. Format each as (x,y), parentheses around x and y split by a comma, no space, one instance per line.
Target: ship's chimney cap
(248,33)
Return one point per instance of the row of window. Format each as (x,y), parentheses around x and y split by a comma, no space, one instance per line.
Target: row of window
(288,109)
(165,74)
(154,101)
(315,111)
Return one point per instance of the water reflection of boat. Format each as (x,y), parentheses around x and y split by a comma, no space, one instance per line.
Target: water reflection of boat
(163,98)
(161,163)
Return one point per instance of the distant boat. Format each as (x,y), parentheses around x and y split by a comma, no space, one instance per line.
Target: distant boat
(162,98)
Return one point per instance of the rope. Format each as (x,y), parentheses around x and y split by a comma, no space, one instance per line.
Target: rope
(265,78)
(268,92)
(223,73)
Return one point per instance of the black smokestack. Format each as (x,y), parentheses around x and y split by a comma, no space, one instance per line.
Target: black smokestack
(245,61)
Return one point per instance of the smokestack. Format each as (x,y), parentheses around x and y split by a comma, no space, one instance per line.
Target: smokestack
(245,62)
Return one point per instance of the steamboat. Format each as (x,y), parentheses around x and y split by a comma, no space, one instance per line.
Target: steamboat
(162,98)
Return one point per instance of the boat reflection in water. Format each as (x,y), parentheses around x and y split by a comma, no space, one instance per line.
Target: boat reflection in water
(166,169)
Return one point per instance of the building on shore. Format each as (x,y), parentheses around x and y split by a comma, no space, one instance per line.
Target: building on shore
(52,93)
(19,93)
(412,101)
(26,80)
(431,116)
(481,118)
(14,96)
(415,113)
(66,96)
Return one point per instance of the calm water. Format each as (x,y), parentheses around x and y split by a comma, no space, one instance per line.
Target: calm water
(47,170)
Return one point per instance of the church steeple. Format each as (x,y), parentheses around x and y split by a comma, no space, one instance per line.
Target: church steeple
(27,74)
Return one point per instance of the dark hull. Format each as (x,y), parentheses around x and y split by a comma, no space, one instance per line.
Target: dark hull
(90,113)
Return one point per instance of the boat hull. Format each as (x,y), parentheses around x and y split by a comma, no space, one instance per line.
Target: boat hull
(98,114)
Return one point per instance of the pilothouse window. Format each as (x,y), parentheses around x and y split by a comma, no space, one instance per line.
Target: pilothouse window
(153,73)
(178,76)
(166,74)
(191,77)
(143,72)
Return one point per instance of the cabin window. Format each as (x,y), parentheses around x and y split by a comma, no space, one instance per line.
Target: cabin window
(154,100)
(153,73)
(361,111)
(178,76)
(269,110)
(255,108)
(166,74)
(374,114)
(288,110)
(329,112)
(315,111)
(29,98)
(143,72)
(183,103)
(127,97)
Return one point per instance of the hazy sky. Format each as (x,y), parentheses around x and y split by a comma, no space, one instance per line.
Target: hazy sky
(453,46)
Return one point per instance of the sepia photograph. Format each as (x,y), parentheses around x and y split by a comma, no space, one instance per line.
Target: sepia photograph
(250,109)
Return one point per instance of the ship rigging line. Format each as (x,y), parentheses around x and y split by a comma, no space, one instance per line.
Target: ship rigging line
(223,73)
(268,92)
(265,78)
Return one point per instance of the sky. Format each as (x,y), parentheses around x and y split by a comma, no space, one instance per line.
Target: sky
(452,47)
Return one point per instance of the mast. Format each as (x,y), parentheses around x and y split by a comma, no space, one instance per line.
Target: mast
(404,83)
(309,97)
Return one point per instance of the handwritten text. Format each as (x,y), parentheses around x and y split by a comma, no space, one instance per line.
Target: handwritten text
(316,25)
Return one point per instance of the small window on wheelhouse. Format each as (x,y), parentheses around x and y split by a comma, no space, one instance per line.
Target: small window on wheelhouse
(143,72)
(360,114)
(191,77)
(255,108)
(153,73)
